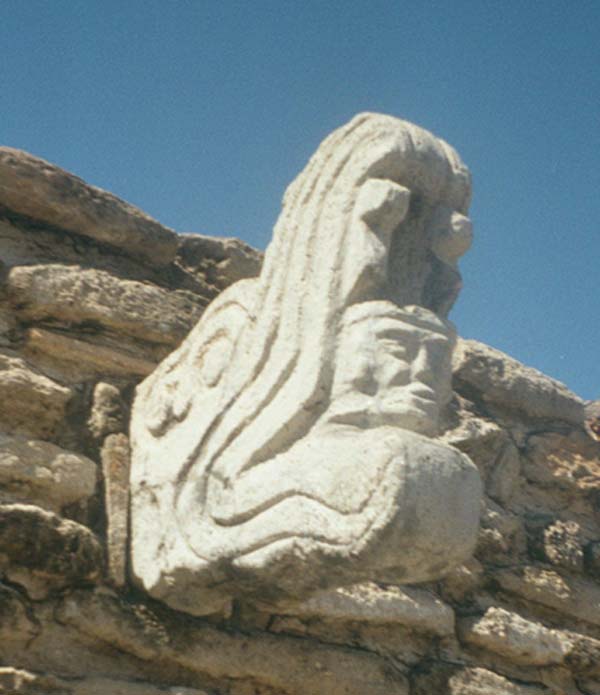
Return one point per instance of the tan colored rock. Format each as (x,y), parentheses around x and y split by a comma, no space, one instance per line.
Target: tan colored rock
(43,552)
(563,545)
(17,623)
(584,657)
(14,681)
(592,558)
(7,326)
(503,381)
(42,191)
(30,402)
(86,357)
(446,679)
(575,597)
(505,476)
(463,581)
(219,261)
(592,419)
(110,686)
(107,415)
(289,665)
(480,681)
(480,438)
(37,472)
(515,638)
(501,535)
(72,294)
(115,467)
(413,608)
(569,463)
(20,682)
(491,448)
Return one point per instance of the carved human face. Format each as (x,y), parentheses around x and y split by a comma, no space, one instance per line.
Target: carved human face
(393,367)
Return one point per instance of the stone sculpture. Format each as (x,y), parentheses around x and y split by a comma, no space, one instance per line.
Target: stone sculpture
(287,445)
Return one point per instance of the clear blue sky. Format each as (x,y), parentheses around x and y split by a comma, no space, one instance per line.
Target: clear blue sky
(201,113)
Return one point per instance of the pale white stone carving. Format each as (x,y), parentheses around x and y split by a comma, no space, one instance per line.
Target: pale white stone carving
(286,446)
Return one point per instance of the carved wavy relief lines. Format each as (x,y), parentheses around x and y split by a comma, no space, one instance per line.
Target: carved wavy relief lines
(380,513)
(300,419)
(227,515)
(288,425)
(308,380)
(289,327)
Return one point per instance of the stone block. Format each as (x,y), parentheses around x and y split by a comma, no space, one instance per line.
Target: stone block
(415,609)
(44,553)
(37,472)
(519,640)
(115,467)
(108,411)
(84,358)
(30,402)
(75,295)
(575,597)
(444,679)
(42,191)
(503,381)
(285,664)
(220,262)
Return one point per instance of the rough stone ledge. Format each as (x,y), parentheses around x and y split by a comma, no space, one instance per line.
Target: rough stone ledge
(33,187)
(15,681)
(43,552)
(82,295)
(413,608)
(503,381)
(520,640)
(290,665)
(220,262)
(448,679)
(575,597)
(37,472)
(30,402)
(89,357)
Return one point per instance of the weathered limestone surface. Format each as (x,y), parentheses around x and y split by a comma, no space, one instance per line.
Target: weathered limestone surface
(44,552)
(38,472)
(285,664)
(368,603)
(518,618)
(86,357)
(520,640)
(30,402)
(286,445)
(115,468)
(18,681)
(219,262)
(571,596)
(71,294)
(472,681)
(503,381)
(42,191)
(108,411)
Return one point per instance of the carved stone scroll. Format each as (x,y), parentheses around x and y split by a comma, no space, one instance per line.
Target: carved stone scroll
(288,444)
